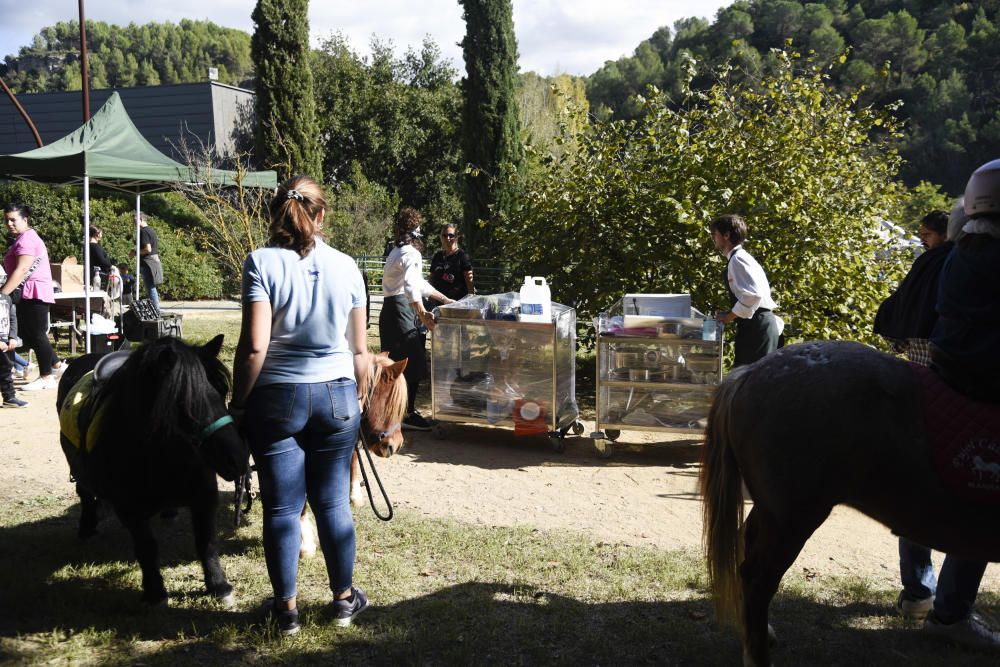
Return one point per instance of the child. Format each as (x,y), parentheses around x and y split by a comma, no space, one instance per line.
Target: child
(8,343)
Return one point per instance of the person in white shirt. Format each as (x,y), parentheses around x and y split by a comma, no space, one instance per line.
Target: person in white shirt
(757,327)
(403,312)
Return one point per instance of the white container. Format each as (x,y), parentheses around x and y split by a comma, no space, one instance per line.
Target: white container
(536,300)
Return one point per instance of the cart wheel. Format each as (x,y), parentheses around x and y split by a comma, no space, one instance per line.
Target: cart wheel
(605,448)
(578,427)
(558,442)
(612,434)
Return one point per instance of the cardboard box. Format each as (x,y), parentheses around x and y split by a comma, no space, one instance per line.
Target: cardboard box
(69,274)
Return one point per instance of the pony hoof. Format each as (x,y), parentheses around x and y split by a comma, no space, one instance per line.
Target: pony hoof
(307,551)
(159,602)
(227,600)
(357,500)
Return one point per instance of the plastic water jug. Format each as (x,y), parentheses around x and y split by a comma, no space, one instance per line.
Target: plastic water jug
(536,300)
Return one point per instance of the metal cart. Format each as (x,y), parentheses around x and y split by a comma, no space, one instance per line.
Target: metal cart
(658,377)
(488,368)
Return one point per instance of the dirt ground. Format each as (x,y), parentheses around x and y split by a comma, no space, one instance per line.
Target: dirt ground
(644,495)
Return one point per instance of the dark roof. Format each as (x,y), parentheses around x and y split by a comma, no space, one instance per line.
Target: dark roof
(208,109)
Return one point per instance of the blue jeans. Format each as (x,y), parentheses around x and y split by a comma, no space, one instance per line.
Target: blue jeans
(147,281)
(954,594)
(302,437)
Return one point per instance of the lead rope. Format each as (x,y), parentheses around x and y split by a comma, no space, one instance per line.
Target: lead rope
(361,444)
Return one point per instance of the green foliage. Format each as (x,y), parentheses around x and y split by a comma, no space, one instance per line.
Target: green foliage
(491,143)
(629,209)
(360,217)
(929,55)
(917,202)
(287,135)
(545,105)
(57,213)
(393,122)
(134,55)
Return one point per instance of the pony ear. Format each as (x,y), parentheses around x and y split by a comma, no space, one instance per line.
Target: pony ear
(384,355)
(210,350)
(390,373)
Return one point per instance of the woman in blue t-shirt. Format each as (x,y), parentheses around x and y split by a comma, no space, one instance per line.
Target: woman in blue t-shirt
(301,364)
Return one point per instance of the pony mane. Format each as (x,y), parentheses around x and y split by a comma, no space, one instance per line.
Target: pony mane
(167,389)
(394,403)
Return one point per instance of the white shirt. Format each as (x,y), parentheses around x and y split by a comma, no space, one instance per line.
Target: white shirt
(403,274)
(749,283)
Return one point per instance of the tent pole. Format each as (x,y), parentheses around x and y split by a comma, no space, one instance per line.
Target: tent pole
(86,260)
(138,258)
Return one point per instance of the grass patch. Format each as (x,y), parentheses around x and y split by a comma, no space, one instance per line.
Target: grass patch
(443,593)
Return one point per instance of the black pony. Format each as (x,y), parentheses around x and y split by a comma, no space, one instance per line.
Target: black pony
(147,433)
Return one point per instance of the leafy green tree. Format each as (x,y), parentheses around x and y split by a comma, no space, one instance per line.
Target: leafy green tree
(287,133)
(491,142)
(629,209)
(392,121)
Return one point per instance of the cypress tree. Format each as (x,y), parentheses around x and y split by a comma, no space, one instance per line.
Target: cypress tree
(491,141)
(287,134)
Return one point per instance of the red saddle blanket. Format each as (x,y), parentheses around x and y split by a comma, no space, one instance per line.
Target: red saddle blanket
(964,438)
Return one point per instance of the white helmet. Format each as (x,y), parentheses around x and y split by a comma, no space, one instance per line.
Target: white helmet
(982,193)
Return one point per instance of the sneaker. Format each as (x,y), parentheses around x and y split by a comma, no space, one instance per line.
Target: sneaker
(57,371)
(345,610)
(287,621)
(971,632)
(414,422)
(47,382)
(914,610)
(14,403)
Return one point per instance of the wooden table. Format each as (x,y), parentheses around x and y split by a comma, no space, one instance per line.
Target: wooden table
(69,310)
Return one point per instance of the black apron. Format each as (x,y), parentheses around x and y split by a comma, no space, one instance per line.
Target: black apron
(401,336)
(755,337)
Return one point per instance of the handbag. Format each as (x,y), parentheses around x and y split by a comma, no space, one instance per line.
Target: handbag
(15,296)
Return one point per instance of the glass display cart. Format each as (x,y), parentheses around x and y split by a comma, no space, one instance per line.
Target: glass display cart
(658,362)
(489,368)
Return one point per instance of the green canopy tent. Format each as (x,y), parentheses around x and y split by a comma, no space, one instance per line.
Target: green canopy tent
(109,152)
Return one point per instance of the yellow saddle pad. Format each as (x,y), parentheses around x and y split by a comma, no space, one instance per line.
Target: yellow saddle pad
(69,416)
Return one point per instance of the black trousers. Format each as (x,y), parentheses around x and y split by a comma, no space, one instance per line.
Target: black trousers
(32,327)
(755,337)
(6,381)
(402,340)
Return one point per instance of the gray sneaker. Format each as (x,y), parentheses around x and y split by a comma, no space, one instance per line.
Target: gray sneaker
(971,632)
(914,610)
(345,610)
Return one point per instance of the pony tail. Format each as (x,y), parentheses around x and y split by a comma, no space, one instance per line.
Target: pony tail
(721,484)
(295,210)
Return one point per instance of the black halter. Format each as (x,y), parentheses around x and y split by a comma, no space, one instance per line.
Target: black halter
(363,444)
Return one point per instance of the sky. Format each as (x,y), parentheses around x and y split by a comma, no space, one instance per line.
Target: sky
(554,36)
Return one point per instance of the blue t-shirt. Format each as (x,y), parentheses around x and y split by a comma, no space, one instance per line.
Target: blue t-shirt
(311,298)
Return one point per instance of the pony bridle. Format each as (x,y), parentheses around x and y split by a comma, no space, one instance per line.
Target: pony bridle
(212,428)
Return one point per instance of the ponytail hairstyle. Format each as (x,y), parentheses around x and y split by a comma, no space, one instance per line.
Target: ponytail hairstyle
(295,210)
(406,226)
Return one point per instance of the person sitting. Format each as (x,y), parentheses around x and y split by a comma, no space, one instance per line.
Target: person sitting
(962,352)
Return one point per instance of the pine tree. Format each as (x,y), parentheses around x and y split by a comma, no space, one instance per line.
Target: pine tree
(287,134)
(490,129)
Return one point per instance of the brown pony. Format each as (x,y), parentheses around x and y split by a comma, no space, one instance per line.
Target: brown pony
(806,428)
(381,420)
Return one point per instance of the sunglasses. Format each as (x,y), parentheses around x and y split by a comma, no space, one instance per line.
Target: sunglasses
(448,236)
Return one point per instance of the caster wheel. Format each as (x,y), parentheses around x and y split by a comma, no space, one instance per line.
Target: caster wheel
(612,433)
(558,443)
(578,428)
(604,448)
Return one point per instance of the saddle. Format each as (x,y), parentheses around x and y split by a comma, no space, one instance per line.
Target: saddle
(964,438)
(83,408)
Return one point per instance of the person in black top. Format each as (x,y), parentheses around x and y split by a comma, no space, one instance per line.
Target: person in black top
(99,260)
(451,269)
(149,266)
